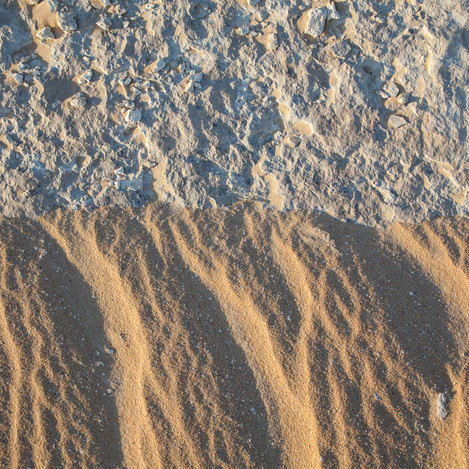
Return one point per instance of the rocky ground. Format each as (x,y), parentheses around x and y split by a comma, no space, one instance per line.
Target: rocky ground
(355,108)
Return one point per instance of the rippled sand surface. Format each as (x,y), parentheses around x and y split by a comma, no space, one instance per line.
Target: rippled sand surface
(244,338)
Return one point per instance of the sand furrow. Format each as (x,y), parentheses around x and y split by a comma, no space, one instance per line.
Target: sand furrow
(242,338)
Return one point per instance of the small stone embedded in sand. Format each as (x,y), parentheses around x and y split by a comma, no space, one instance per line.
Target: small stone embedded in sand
(313,21)
(382,94)
(442,406)
(332,13)
(104,23)
(18,78)
(67,20)
(86,77)
(292,141)
(133,116)
(341,48)
(386,194)
(187,85)
(392,89)
(45,34)
(397,121)
(78,100)
(242,31)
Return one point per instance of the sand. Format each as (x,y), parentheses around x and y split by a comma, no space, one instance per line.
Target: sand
(355,108)
(182,338)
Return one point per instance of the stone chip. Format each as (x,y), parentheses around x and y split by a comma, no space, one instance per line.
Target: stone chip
(313,21)
(67,20)
(133,116)
(397,121)
(45,33)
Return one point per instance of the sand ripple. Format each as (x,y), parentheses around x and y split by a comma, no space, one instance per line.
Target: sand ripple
(231,339)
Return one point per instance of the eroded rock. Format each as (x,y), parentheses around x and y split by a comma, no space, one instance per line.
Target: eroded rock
(67,20)
(313,21)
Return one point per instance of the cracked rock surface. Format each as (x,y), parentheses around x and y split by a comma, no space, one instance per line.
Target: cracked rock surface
(356,108)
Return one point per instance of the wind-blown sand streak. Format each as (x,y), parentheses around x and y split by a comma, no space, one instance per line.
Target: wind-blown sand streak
(240,338)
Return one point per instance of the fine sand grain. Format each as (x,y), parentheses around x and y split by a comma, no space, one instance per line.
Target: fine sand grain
(229,339)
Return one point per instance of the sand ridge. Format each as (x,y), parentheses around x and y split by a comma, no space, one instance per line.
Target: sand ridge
(231,338)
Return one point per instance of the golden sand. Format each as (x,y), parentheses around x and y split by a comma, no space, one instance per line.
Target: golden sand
(232,339)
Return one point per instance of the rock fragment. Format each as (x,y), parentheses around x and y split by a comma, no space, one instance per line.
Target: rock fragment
(313,21)
(442,406)
(392,89)
(18,77)
(160,65)
(397,121)
(341,49)
(67,20)
(45,34)
(86,77)
(202,10)
(133,116)
(104,23)
(78,101)
(332,13)
(242,31)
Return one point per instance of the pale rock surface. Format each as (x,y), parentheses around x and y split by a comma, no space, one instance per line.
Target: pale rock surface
(313,21)
(67,20)
(363,114)
(442,406)
(45,34)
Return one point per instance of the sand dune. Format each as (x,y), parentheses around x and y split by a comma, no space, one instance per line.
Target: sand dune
(230,339)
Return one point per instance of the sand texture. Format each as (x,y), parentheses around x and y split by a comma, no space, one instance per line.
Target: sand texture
(356,108)
(171,338)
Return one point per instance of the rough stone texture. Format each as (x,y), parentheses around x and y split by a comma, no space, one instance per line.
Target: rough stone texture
(313,21)
(237,103)
(442,406)
(67,20)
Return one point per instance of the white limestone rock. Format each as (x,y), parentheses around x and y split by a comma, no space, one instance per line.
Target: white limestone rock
(104,23)
(332,13)
(86,77)
(18,77)
(78,101)
(313,21)
(442,406)
(133,116)
(67,20)
(397,121)
(45,34)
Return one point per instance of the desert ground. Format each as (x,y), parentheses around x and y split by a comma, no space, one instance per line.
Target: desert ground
(232,338)
(234,234)
(354,108)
